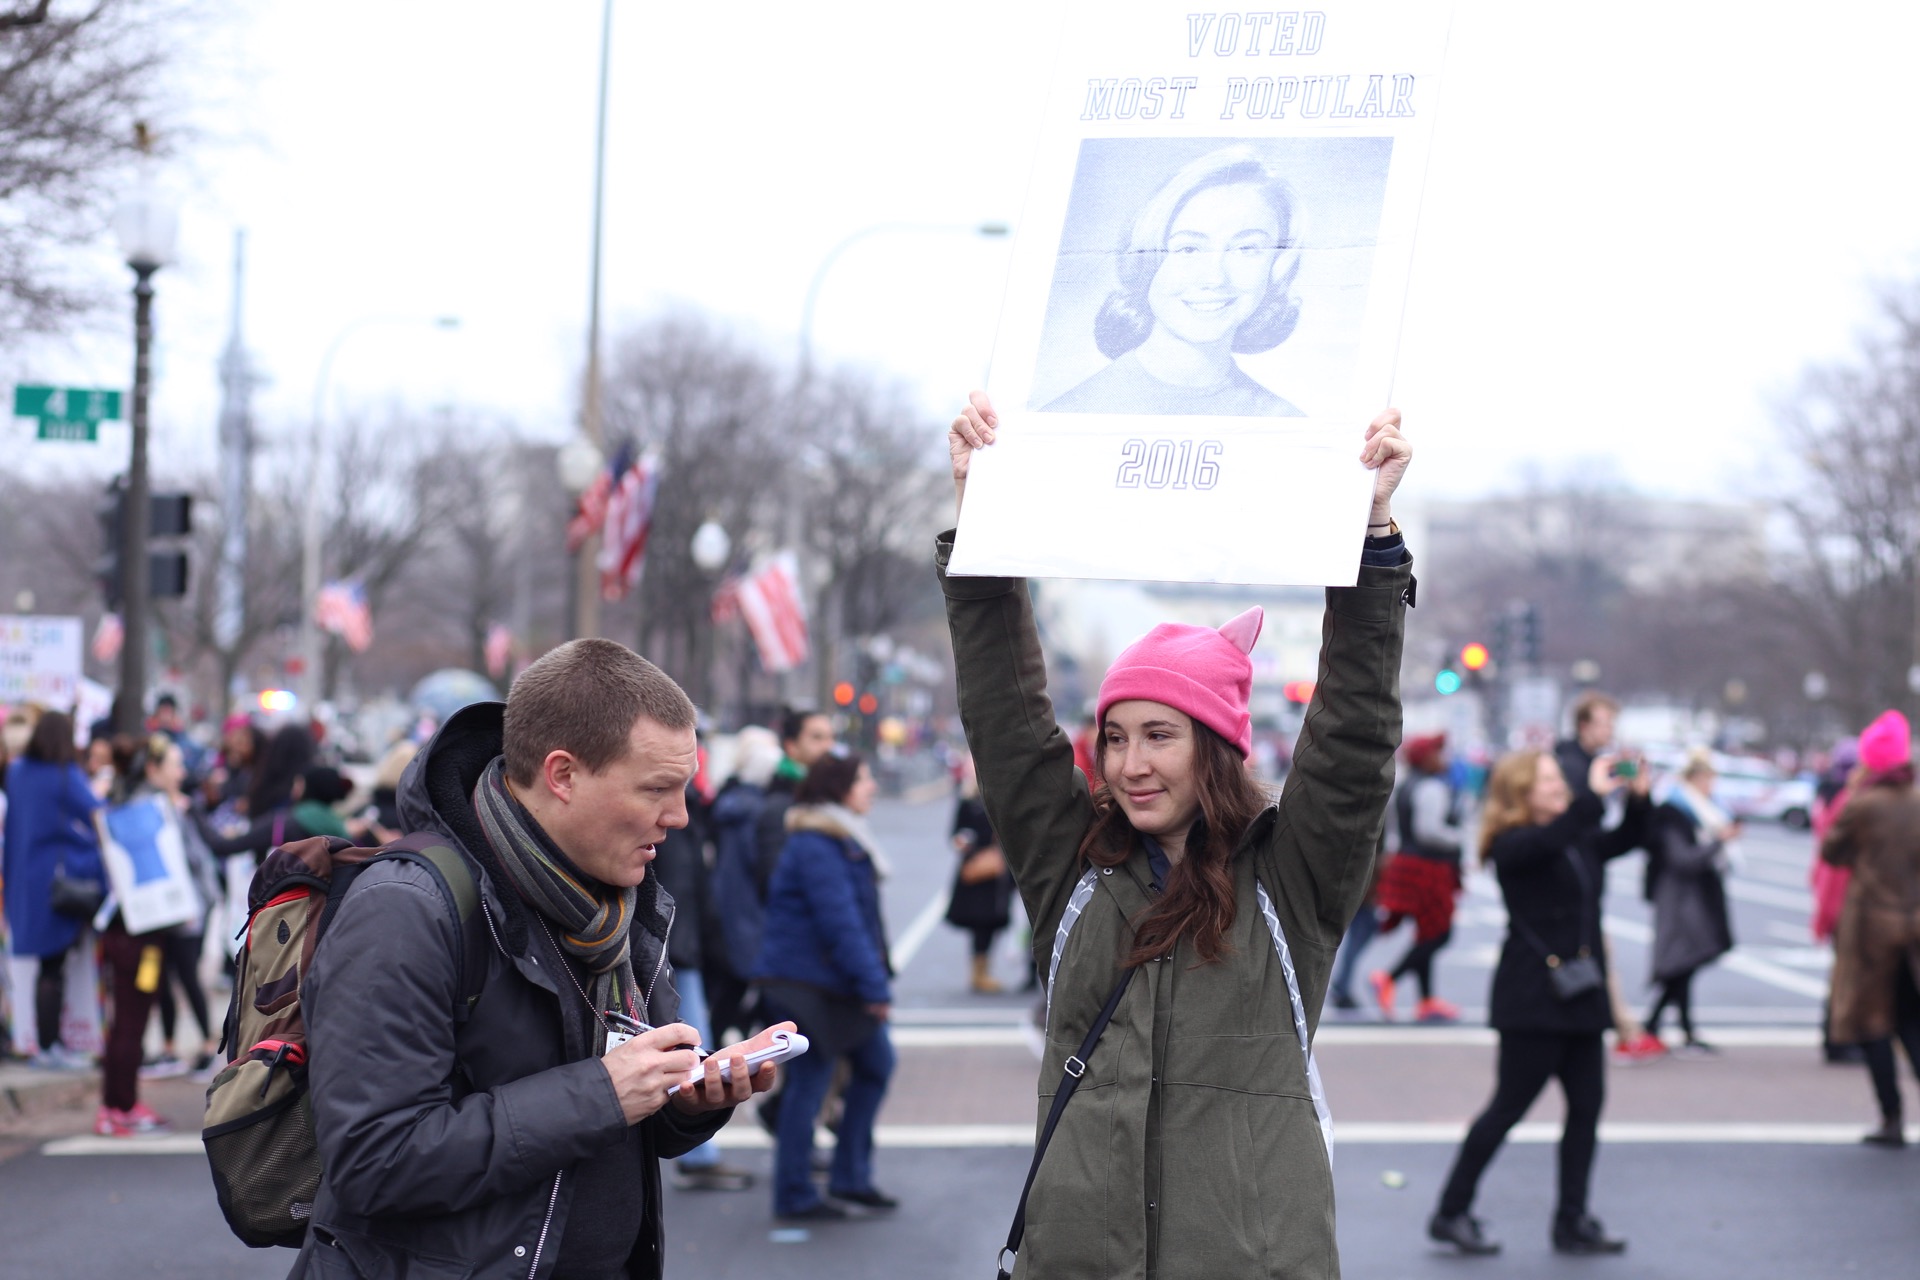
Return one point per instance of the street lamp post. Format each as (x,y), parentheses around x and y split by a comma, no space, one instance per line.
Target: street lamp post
(147,230)
(710,549)
(310,511)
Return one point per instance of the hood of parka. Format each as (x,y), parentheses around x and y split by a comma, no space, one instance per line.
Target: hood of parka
(436,794)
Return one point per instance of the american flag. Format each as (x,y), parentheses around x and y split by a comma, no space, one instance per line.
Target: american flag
(341,608)
(591,512)
(623,546)
(108,637)
(499,649)
(768,596)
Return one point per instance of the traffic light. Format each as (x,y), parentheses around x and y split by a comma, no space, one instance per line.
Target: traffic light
(1526,620)
(1298,692)
(1502,645)
(1475,656)
(170,515)
(1447,681)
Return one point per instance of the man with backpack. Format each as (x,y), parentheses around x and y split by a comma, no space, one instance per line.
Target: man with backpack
(490,1085)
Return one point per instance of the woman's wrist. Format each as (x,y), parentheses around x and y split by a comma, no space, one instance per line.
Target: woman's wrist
(1379,519)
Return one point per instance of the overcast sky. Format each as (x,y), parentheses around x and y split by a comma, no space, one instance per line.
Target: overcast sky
(1642,219)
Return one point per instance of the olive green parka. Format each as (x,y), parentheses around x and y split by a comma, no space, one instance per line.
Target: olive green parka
(1191,1150)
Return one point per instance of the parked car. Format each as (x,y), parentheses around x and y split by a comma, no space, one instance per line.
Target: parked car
(1759,790)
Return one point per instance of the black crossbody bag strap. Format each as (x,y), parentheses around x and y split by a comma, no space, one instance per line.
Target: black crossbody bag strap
(1532,939)
(1069,1081)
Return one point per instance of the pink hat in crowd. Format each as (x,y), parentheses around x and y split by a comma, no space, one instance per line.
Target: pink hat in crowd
(1887,743)
(1198,670)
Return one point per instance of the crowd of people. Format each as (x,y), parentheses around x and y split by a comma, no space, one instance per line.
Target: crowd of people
(1174,902)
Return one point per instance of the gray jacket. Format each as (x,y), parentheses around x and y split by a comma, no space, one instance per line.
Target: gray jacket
(447,1145)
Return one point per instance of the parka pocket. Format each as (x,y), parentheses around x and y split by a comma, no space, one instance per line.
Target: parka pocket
(1265,1064)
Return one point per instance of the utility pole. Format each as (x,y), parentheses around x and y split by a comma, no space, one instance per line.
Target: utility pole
(236,471)
(586,591)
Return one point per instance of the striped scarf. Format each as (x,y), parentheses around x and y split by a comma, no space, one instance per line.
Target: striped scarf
(592,918)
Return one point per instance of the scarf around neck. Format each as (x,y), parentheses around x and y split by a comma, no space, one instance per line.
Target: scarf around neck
(1707,815)
(592,918)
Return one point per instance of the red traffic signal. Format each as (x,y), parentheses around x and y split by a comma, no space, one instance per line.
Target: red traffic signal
(1475,656)
(843,694)
(1297,691)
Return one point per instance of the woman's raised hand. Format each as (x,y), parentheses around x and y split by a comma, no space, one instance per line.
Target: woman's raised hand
(973,429)
(1387,453)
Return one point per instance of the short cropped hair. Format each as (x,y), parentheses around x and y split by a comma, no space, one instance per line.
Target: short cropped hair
(793,722)
(1125,319)
(1591,702)
(584,698)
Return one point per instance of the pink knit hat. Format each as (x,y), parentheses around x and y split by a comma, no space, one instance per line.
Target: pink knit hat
(1887,743)
(1198,670)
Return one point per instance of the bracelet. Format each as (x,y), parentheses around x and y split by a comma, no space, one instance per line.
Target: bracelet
(1392,527)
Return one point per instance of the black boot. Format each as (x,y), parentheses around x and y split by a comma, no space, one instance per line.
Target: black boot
(1462,1231)
(1584,1235)
(1890,1134)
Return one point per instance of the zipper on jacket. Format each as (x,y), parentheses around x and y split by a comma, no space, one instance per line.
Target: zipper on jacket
(490,929)
(646,997)
(539,1246)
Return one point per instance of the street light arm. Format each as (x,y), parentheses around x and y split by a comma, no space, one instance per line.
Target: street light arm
(986,229)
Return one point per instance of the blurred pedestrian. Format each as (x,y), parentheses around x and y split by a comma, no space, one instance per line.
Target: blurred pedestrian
(1594,717)
(227,783)
(317,812)
(680,866)
(1366,924)
(1876,955)
(379,823)
(823,963)
(1206,912)
(739,900)
(150,775)
(277,783)
(54,878)
(1422,879)
(1828,883)
(182,947)
(980,900)
(1687,863)
(805,736)
(1549,1000)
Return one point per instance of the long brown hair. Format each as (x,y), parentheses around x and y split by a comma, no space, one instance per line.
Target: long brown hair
(1509,792)
(1197,902)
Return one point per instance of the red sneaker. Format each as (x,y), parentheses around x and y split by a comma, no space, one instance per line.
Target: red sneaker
(1641,1049)
(1382,991)
(142,1118)
(1434,1009)
(111,1122)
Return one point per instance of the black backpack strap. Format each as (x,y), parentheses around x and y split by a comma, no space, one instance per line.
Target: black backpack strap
(461,892)
(1069,1081)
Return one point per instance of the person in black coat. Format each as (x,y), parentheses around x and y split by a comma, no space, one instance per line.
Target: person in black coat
(1687,863)
(1550,991)
(981,900)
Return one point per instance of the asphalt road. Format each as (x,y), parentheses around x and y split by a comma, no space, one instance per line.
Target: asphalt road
(1743,1167)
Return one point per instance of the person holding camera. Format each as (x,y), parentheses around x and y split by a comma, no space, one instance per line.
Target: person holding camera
(1549,1001)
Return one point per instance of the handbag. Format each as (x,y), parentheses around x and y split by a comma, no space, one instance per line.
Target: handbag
(1069,1081)
(74,897)
(986,865)
(1569,976)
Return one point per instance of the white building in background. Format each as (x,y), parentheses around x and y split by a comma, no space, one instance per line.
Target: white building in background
(1654,542)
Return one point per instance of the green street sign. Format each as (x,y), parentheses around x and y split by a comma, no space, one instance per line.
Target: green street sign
(79,432)
(65,404)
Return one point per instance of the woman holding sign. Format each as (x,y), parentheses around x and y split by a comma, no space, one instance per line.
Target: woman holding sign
(1186,920)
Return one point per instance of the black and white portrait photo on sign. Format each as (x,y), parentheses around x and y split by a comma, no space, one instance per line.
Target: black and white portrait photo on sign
(1205,293)
(1210,276)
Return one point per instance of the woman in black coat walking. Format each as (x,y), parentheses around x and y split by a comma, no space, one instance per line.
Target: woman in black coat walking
(1686,868)
(1550,991)
(981,900)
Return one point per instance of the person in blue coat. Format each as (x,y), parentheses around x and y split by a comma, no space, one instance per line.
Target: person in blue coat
(49,829)
(823,963)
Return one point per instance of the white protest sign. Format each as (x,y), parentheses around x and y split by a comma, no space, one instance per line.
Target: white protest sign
(39,660)
(1203,310)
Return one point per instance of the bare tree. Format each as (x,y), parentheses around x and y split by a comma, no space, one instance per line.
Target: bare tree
(73,82)
(1856,427)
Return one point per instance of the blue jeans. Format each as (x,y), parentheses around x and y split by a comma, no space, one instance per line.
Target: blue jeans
(693,1012)
(808,1078)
